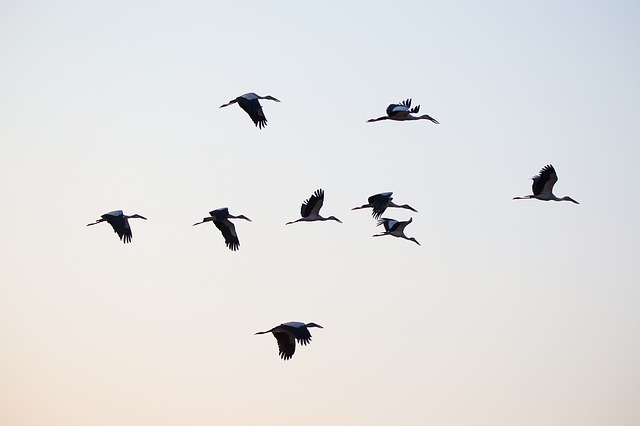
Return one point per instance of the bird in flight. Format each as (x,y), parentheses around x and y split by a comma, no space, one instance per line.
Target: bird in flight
(380,202)
(250,103)
(543,186)
(395,228)
(120,223)
(288,333)
(310,209)
(220,218)
(402,112)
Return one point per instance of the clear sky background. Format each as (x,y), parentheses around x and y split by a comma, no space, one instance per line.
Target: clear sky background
(510,313)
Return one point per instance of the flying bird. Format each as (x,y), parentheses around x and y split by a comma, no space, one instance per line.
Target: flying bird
(120,223)
(310,209)
(220,218)
(395,228)
(286,334)
(402,111)
(543,186)
(250,103)
(380,202)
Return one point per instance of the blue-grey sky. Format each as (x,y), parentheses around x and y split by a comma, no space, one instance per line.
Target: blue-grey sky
(511,312)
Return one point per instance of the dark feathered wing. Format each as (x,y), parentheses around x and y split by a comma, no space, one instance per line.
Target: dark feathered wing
(407,104)
(379,202)
(254,109)
(389,224)
(229,233)
(220,214)
(313,204)
(391,109)
(544,181)
(286,344)
(120,226)
(303,336)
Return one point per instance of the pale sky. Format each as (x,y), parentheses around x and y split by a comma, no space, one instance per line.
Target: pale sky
(510,313)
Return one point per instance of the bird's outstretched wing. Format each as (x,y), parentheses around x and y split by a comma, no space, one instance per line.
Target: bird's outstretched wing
(120,226)
(220,214)
(254,109)
(379,203)
(229,233)
(313,204)
(301,334)
(389,224)
(286,344)
(544,181)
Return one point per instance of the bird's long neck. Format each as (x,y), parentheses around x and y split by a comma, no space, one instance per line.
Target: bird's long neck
(423,117)
(135,216)
(268,97)
(565,198)
(329,218)
(403,206)
(412,239)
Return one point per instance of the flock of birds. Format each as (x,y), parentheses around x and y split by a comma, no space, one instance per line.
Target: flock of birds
(287,334)
(309,212)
